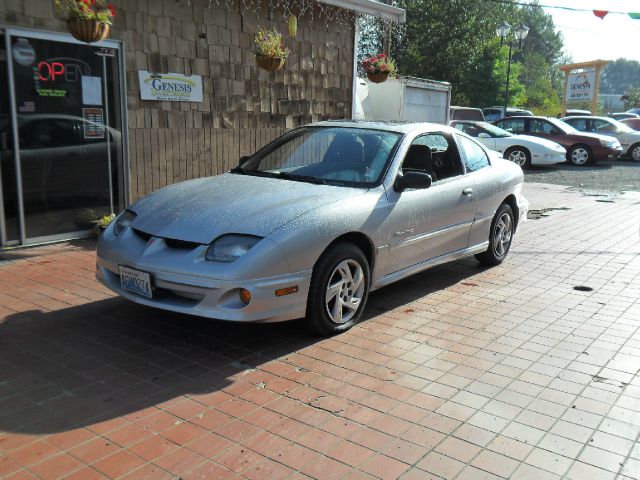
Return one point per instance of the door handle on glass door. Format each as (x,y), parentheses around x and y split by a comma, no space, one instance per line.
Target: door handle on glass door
(467,191)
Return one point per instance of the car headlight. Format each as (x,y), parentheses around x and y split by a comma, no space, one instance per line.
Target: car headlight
(609,143)
(123,221)
(228,248)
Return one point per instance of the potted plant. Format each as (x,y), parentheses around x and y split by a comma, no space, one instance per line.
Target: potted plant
(104,221)
(87,20)
(270,51)
(379,67)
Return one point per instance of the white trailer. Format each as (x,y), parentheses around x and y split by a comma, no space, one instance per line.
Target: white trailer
(405,99)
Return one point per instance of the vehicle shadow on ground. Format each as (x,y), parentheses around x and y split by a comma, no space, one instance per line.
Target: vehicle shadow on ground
(91,363)
(600,166)
(39,251)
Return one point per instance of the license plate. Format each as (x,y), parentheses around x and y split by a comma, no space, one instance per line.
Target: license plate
(135,281)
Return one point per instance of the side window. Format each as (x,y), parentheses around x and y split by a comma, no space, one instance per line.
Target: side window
(469,129)
(435,154)
(579,124)
(514,125)
(475,158)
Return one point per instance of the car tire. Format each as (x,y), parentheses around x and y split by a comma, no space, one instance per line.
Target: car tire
(500,236)
(518,155)
(580,155)
(341,274)
(634,152)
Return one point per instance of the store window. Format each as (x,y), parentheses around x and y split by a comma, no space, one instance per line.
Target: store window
(65,102)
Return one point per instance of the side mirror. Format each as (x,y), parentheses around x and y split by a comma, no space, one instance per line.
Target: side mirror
(414,180)
(484,135)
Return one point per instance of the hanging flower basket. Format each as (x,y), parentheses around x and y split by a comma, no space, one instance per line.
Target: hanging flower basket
(270,64)
(271,53)
(377,77)
(87,30)
(87,20)
(379,67)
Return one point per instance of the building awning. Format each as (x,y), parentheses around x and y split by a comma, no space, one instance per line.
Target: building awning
(371,7)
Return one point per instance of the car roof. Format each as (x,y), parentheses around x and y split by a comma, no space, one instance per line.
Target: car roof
(586,117)
(398,127)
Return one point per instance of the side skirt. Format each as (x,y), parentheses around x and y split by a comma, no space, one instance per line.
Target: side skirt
(419,267)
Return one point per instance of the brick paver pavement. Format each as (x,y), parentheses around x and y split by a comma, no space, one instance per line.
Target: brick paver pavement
(459,372)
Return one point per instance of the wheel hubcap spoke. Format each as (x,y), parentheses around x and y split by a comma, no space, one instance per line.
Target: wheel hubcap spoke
(502,234)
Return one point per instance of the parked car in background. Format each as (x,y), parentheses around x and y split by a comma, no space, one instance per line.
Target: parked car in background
(523,150)
(623,115)
(496,113)
(314,221)
(635,110)
(466,113)
(632,122)
(628,137)
(582,148)
(573,111)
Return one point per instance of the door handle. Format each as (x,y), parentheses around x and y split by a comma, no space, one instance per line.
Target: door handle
(467,191)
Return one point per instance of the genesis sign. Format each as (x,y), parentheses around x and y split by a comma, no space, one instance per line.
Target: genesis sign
(174,87)
(580,86)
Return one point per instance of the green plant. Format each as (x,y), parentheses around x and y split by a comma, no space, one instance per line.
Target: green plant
(106,220)
(85,10)
(380,64)
(268,43)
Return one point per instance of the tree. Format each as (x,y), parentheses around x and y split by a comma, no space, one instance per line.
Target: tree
(632,99)
(455,41)
(620,76)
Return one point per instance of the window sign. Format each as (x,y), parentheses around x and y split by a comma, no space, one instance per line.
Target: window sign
(174,87)
(91,90)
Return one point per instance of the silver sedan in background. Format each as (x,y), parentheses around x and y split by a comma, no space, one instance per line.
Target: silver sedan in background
(314,221)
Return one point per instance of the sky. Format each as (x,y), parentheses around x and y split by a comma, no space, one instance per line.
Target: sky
(586,37)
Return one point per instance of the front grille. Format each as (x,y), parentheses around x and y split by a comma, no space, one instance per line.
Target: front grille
(169,242)
(143,235)
(181,244)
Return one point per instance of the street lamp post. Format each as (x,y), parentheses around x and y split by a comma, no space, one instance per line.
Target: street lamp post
(520,33)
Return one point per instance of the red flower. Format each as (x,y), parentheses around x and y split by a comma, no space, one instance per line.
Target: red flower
(112,9)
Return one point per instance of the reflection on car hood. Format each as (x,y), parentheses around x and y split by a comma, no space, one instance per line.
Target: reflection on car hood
(201,210)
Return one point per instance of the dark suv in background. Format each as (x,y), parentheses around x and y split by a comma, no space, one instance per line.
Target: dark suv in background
(582,148)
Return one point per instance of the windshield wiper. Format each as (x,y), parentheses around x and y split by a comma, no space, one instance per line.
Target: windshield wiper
(238,170)
(302,178)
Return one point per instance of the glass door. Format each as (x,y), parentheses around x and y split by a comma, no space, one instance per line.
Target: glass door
(68,118)
(9,216)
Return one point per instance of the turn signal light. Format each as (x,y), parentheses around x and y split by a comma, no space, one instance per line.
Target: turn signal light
(286,291)
(245,296)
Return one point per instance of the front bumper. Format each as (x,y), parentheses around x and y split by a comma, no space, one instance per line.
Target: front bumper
(182,291)
(607,153)
(549,158)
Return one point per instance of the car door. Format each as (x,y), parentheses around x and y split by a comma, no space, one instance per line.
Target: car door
(479,173)
(428,223)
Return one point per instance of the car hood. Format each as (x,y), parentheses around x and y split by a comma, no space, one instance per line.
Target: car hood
(201,210)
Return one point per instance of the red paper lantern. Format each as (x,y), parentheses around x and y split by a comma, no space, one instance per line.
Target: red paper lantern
(600,13)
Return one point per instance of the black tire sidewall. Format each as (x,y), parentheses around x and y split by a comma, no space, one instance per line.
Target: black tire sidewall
(317,317)
(489,257)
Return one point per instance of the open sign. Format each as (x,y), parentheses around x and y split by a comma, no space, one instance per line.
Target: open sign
(50,71)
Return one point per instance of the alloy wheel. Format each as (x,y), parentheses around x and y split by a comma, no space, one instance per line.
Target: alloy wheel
(518,157)
(345,291)
(502,233)
(635,153)
(579,156)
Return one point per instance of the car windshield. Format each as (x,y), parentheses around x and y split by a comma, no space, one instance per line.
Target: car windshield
(493,130)
(563,126)
(618,126)
(333,155)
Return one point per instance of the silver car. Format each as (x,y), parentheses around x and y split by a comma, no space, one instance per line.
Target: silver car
(314,221)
